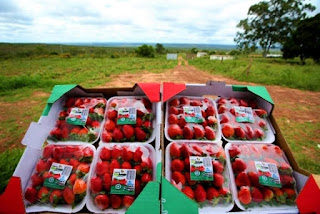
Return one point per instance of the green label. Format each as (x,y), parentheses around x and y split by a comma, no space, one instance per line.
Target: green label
(193,114)
(201,168)
(123,182)
(268,174)
(243,114)
(78,116)
(127,115)
(58,175)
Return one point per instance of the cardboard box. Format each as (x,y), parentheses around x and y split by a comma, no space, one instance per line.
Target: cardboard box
(148,200)
(168,192)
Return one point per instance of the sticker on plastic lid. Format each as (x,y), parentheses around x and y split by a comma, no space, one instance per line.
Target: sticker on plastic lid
(193,114)
(78,116)
(268,174)
(123,182)
(201,168)
(58,175)
(243,114)
(127,115)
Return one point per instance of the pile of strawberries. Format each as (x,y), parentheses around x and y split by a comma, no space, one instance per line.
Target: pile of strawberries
(119,157)
(213,192)
(178,128)
(231,129)
(74,191)
(87,133)
(251,192)
(140,131)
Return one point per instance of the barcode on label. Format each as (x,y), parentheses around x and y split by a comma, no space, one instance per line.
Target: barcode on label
(207,162)
(197,110)
(66,171)
(131,174)
(273,168)
(132,110)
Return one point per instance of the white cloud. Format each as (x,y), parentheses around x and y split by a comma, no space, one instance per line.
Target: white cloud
(181,21)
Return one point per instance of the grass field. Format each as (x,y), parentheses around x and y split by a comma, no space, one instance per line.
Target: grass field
(28,73)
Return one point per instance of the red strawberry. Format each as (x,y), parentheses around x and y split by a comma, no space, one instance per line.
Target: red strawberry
(126,154)
(75,130)
(187,163)
(56,132)
(242,179)
(262,123)
(68,152)
(42,166)
(55,196)
(107,181)
(234,151)
(204,114)
(139,122)
(140,134)
(140,113)
(210,111)
(188,178)
(179,177)
(174,102)
(146,164)
(209,133)
(64,133)
(279,194)
(177,165)
(58,152)
(87,152)
(64,161)
(224,191)
(137,187)
(114,165)
(198,132)
(95,124)
(261,112)
(78,102)
(174,131)
(47,151)
(240,132)
(198,150)
(188,192)
(174,151)
(69,102)
(267,194)
(254,179)
(212,193)
(126,165)
(145,178)
(117,135)
(200,194)
(249,132)
(115,201)
(137,155)
(96,184)
(184,101)
(195,103)
(185,151)
(105,154)
(79,187)
(244,195)
(204,124)
(173,110)
(173,119)
(259,133)
(68,195)
(212,120)
(89,121)
(256,194)
(222,109)
(102,201)
(128,200)
(182,122)
(233,111)
(112,114)
(109,125)
(187,133)
(291,193)
(31,195)
(217,167)
(218,179)
(234,101)
(243,103)
(227,130)
(102,167)
(286,180)
(83,131)
(238,165)
(36,180)
(106,136)
(83,167)
(72,178)
(43,194)
(224,118)
(138,169)
(128,131)
(147,124)
(222,101)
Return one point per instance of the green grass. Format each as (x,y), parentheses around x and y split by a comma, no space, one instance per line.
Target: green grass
(8,162)
(288,73)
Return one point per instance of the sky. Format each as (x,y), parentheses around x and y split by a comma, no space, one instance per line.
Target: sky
(150,21)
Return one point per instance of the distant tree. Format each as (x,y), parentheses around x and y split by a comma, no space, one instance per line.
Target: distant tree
(234,52)
(194,50)
(270,23)
(305,41)
(212,52)
(160,49)
(145,51)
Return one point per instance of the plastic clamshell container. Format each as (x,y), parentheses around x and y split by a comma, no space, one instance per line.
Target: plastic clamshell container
(152,136)
(60,108)
(279,208)
(62,208)
(219,208)
(269,135)
(217,130)
(146,147)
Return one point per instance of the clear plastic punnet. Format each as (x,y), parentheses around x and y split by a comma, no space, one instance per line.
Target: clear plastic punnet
(79,119)
(129,119)
(192,119)
(120,172)
(60,178)
(261,177)
(243,120)
(199,171)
